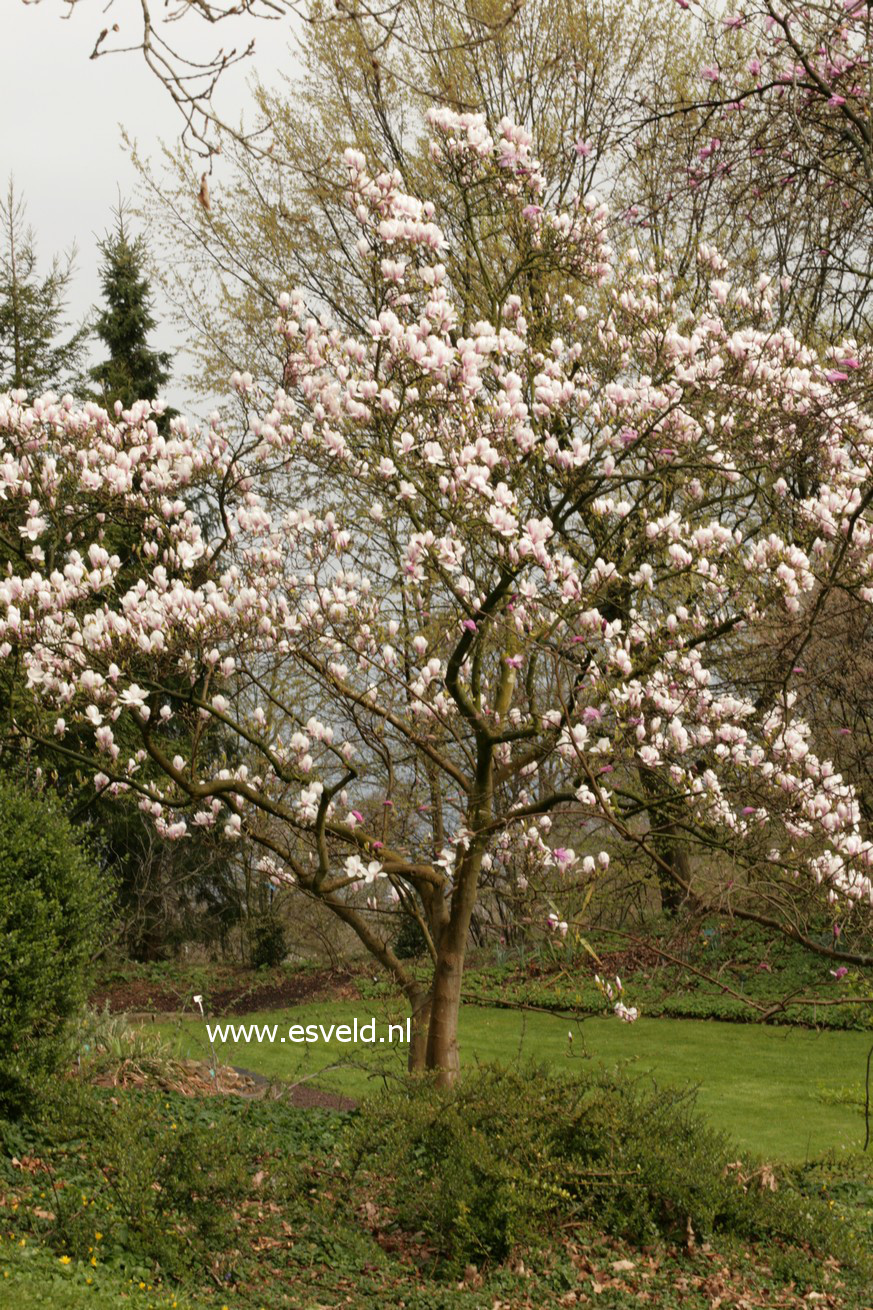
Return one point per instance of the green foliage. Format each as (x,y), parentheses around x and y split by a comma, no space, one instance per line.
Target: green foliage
(843,1181)
(492,1164)
(52,909)
(467,1167)
(409,943)
(128,1193)
(160,1177)
(33,355)
(269,943)
(742,970)
(132,371)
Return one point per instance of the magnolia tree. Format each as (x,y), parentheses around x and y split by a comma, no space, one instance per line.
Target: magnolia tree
(772,142)
(460,582)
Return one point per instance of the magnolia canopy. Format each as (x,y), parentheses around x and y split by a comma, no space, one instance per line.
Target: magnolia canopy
(459,583)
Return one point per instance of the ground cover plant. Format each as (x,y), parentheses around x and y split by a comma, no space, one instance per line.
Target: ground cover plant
(674,967)
(686,969)
(424,1197)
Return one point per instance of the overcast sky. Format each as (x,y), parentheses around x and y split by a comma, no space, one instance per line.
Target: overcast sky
(60,117)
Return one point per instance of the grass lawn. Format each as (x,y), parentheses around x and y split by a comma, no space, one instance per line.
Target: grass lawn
(762,1086)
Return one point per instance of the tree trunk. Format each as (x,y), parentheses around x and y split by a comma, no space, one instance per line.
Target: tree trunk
(672,894)
(673,868)
(420,1004)
(442,1034)
(442,1037)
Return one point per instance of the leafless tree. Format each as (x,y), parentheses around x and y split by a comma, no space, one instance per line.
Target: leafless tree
(149,27)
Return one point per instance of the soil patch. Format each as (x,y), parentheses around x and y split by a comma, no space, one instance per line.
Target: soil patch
(302,1095)
(313,1098)
(242,992)
(195,1078)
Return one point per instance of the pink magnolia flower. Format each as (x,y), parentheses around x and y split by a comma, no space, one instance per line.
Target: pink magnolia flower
(627,1014)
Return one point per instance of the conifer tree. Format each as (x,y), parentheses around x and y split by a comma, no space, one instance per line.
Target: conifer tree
(132,370)
(36,352)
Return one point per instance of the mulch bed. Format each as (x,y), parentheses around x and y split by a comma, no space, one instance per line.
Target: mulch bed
(242,994)
(233,991)
(195,1078)
(302,1095)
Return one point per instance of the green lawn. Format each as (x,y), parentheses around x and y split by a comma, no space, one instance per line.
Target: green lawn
(763,1086)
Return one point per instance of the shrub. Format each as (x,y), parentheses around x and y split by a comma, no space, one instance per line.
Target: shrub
(162,1177)
(52,901)
(410,942)
(494,1162)
(269,943)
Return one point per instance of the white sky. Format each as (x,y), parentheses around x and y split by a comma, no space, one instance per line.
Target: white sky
(60,117)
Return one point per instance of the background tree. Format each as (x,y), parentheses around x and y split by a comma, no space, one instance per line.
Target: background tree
(132,371)
(766,151)
(36,352)
(571,74)
(161,896)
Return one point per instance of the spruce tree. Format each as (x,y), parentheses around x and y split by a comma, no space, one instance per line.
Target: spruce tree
(132,371)
(36,352)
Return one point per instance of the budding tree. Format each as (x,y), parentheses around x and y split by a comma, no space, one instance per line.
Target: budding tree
(459,581)
(769,144)
(191,75)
